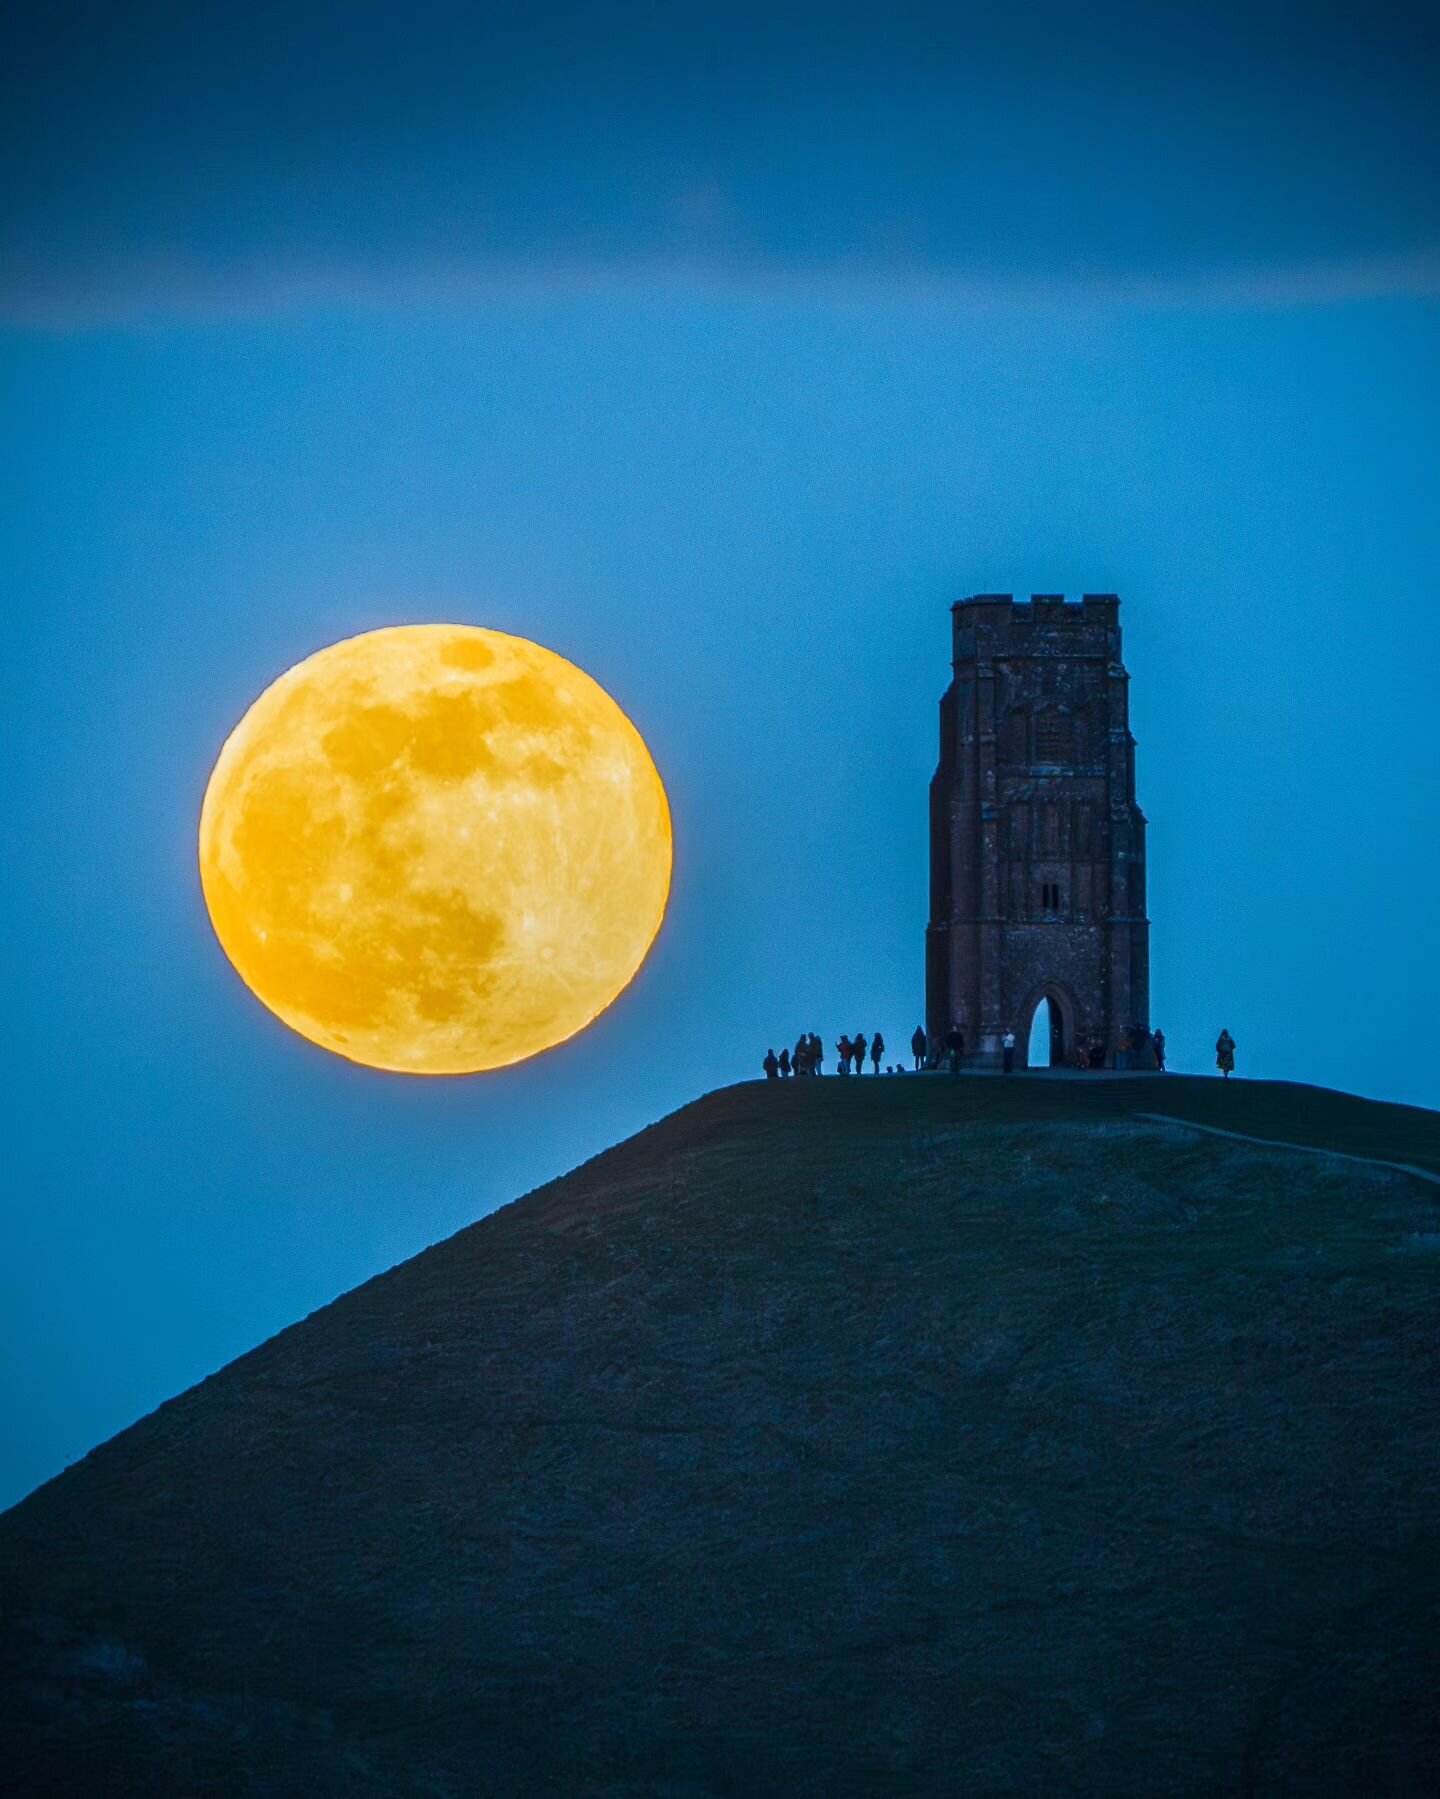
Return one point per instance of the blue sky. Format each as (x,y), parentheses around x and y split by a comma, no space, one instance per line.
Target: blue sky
(719,359)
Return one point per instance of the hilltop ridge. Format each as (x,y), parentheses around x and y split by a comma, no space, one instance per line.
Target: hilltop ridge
(909,1435)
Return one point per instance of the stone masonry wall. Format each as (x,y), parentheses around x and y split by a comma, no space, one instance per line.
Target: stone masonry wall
(1037,845)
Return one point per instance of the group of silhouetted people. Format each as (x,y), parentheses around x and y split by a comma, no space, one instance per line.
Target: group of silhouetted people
(807,1057)
(852,1051)
(930,1055)
(1133,1048)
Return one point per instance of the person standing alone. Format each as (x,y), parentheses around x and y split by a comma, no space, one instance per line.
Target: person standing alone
(1007,1045)
(917,1046)
(1225,1054)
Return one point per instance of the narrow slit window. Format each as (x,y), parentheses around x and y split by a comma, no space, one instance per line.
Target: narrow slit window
(1052,737)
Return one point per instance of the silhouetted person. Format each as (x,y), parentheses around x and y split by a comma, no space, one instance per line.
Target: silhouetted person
(917,1046)
(817,1054)
(1007,1050)
(770,1065)
(877,1049)
(1158,1041)
(955,1046)
(1097,1054)
(1225,1054)
(857,1050)
(844,1049)
(784,1064)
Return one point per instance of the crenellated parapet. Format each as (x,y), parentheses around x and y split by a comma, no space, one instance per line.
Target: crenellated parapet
(987,625)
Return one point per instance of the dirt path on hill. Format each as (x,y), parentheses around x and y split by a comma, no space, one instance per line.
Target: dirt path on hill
(1310,1149)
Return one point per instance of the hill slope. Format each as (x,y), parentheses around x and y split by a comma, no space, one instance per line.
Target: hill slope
(832,1437)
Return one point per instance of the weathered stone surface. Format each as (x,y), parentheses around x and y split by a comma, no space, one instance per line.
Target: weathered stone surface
(1037,847)
(919,1436)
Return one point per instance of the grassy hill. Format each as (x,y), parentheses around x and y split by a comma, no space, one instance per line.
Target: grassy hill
(916,1436)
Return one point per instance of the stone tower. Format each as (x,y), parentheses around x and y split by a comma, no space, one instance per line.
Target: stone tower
(1037,847)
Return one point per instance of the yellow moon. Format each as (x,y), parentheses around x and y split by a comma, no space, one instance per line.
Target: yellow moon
(435,849)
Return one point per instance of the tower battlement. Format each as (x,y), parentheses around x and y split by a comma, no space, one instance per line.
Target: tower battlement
(1057,605)
(997,624)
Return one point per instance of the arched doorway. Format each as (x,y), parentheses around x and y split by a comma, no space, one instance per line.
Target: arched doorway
(1046,1046)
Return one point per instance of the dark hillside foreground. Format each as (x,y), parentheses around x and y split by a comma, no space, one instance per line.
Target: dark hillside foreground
(833,1437)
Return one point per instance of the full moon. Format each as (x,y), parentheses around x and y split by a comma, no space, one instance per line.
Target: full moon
(435,849)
